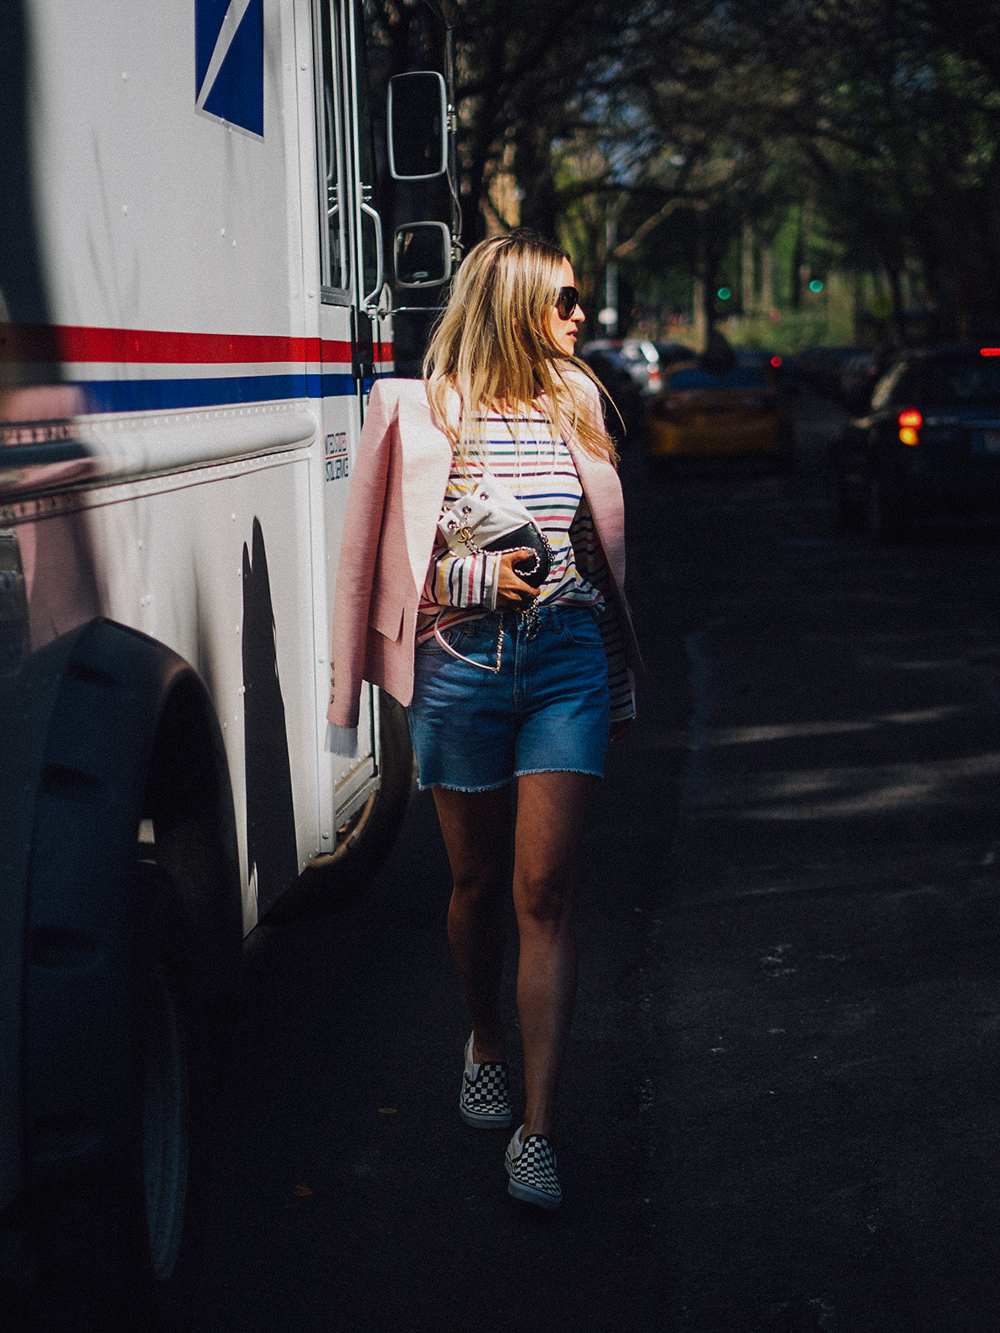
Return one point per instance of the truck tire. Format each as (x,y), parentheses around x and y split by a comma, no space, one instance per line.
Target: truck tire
(119,1247)
(332,882)
(134,933)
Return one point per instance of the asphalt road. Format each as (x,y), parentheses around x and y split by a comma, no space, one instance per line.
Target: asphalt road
(779,1112)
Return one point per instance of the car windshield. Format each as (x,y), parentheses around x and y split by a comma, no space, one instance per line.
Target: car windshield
(960,382)
(743,377)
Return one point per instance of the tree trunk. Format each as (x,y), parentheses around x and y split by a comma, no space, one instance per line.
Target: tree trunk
(800,251)
(857,304)
(708,295)
(766,278)
(698,307)
(747,274)
(898,318)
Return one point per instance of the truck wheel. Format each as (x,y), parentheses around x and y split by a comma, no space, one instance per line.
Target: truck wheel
(332,882)
(120,1246)
(133,930)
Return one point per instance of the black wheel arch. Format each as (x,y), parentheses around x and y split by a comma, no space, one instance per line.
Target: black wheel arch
(133,735)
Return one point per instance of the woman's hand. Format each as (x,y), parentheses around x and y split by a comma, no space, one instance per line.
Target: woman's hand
(512,591)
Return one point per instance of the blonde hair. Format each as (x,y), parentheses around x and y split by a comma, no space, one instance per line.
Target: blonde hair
(492,349)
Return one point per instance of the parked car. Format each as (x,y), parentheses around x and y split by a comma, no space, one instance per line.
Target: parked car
(781,366)
(672,353)
(615,371)
(928,447)
(857,379)
(642,360)
(698,416)
(860,373)
(822,367)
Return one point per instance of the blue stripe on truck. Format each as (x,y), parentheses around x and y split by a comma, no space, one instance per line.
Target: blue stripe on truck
(161,395)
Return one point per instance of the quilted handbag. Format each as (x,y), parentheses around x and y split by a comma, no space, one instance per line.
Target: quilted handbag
(491,518)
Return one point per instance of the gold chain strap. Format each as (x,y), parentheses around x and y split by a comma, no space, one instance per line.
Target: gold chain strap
(529,617)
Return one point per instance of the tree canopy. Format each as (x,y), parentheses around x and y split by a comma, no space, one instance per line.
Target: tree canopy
(873,123)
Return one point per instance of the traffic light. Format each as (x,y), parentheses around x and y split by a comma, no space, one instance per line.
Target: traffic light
(724,293)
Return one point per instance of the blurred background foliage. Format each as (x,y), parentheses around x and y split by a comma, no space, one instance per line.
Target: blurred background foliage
(832,165)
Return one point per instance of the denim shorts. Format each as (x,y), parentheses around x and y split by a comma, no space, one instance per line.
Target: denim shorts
(546,711)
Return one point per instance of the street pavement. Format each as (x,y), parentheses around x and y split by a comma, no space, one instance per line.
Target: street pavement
(779,1109)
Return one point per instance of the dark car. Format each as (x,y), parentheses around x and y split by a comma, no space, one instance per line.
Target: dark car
(927,448)
(779,366)
(671,353)
(859,374)
(822,367)
(615,371)
(638,356)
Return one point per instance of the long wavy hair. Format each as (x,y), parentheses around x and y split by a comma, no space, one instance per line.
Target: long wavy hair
(491,350)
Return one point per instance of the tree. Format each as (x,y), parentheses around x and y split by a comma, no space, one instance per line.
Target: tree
(520,66)
(691,124)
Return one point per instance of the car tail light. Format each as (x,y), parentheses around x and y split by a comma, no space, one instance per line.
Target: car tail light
(654,377)
(910,422)
(989,351)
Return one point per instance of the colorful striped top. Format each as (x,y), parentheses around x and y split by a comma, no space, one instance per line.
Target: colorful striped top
(521,454)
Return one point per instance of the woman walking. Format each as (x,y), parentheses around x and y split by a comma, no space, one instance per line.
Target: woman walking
(514,664)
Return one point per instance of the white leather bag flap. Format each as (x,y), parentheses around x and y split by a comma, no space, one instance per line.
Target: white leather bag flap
(487,513)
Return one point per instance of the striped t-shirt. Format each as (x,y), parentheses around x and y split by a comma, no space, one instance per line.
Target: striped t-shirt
(521,454)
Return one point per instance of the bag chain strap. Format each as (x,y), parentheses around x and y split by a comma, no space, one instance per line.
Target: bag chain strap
(465,534)
(529,617)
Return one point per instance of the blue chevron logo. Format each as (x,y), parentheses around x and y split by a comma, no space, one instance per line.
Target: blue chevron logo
(229,62)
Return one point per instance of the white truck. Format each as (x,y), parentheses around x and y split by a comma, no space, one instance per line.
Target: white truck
(192,309)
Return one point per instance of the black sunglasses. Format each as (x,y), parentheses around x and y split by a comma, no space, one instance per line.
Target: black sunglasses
(567,301)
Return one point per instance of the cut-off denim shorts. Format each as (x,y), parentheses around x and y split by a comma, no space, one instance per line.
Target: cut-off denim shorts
(546,711)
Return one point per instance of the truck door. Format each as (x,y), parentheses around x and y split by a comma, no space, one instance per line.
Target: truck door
(351,282)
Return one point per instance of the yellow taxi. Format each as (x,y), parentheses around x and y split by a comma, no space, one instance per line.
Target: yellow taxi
(697,416)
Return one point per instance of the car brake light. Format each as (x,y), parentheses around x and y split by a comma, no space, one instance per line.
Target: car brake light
(910,422)
(989,351)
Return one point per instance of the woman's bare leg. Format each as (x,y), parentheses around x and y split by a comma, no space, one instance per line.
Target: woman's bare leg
(476,829)
(551,812)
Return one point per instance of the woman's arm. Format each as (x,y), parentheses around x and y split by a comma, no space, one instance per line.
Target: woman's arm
(462,580)
(487,579)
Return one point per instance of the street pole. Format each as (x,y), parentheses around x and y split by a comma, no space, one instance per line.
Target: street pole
(609,315)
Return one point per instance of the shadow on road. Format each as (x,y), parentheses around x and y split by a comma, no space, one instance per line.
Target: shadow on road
(779,1112)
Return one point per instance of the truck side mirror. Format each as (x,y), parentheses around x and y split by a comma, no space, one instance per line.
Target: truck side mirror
(418,126)
(421,254)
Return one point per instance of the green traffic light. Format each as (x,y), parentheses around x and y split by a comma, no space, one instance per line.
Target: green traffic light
(723,293)
(815,285)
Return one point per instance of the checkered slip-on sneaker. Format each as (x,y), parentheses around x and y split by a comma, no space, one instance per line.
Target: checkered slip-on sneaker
(531,1166)
(484,1102)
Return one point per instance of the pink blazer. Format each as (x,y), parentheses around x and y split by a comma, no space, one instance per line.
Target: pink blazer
(397,491)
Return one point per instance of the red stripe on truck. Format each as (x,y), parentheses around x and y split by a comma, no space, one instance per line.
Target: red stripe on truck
(60,342)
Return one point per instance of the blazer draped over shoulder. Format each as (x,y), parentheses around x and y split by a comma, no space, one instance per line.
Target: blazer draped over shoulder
(397,490)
